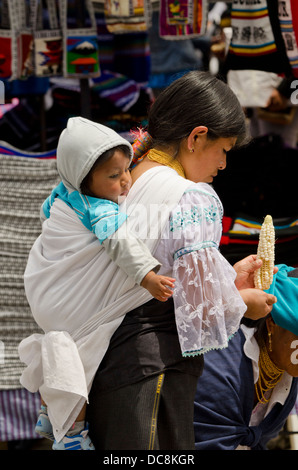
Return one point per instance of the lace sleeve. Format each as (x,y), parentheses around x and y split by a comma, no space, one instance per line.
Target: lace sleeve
(208,306)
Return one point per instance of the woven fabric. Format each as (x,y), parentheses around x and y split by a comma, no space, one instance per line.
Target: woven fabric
(25,181)
(180,20)
(21,412)
(288,22)
(257,42)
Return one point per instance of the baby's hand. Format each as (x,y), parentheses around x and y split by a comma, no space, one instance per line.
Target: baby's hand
(161,287)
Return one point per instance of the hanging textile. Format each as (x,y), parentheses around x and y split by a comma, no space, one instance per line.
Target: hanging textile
(26,178)
(127,16)
(257,43)
(127,53)
(183,19)
(118,89)
(80,44)
(252,30)
(288,11)
(24,59)
(8,43)
(27,48)
(294,9)
(19,416)
(15,41)
(47,42)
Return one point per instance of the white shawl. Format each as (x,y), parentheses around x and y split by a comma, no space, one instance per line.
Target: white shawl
(79,297)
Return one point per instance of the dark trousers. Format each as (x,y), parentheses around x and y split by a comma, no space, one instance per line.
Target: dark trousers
(153,414)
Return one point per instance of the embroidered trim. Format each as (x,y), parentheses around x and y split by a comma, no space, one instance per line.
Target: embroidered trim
(211,213)
(207,194)
(197,246)
(198,352)
(192,216)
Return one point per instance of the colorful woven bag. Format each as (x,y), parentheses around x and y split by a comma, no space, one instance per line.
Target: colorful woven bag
(47,42)
(127,16)
(80,58)
(181,20)
(15,41)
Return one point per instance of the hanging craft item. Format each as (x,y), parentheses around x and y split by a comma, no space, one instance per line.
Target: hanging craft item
(15,41)
(256,42)
(252,31)
(8,42)
(47,42)
(287,13)
(127,16)
(80,57)
(182,19)
(24,59)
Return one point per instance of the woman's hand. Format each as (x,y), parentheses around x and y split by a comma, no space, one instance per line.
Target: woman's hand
(245,269)
(258,302)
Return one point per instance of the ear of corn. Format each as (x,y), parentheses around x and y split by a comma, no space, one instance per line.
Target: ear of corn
(263,277)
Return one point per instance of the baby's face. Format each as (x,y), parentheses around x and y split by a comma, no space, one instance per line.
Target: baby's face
(112,179)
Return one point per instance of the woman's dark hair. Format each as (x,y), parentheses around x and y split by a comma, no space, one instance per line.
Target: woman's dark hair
(196,99)
(104,157)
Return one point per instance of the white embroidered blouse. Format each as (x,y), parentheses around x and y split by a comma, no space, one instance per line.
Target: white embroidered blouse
(208,306)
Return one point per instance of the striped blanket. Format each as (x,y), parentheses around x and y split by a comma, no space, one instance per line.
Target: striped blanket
(25,181)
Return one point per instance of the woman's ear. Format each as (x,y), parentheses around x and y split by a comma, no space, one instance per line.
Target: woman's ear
(194,135)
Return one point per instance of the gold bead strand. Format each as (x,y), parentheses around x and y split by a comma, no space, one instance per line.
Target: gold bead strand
(269,375)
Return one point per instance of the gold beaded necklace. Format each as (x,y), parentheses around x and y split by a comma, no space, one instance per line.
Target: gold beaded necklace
(269,375)
(165,159)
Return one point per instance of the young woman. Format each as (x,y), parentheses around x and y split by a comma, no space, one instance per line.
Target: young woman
(143,391)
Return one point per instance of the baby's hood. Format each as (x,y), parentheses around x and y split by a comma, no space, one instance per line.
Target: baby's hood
(80,145)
